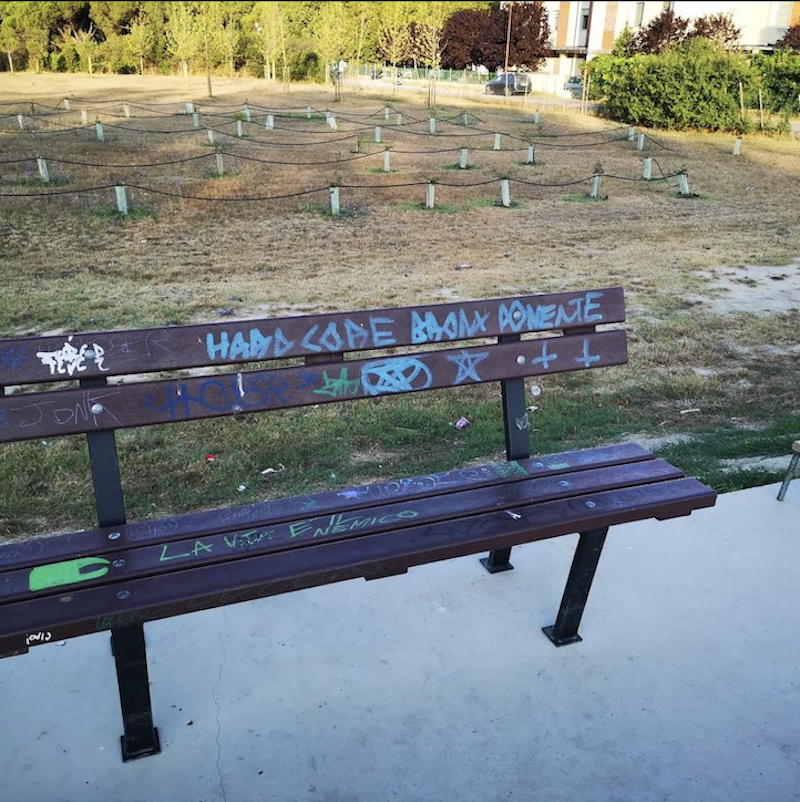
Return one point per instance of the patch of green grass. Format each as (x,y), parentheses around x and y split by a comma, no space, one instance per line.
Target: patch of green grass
(447,208)
(136,211)
(29,181)
(346,212)
(702,455)
(580,197)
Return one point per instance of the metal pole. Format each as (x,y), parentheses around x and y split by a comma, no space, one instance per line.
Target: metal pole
(462,160)
(334,201)
(44,173)
(122,200)
(648,169)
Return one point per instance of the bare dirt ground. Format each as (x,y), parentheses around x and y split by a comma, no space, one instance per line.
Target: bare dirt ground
(712,281)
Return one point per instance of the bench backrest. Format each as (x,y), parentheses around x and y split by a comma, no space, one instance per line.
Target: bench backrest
(310,359)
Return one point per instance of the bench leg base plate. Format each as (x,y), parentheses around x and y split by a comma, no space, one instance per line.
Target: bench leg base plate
(143,751)
(487,563)
(549,631)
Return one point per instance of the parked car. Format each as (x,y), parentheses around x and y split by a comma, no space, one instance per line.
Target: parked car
(518,83)
(574,84)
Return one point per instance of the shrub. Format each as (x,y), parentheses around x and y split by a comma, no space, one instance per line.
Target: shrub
(780,80)
(695,85)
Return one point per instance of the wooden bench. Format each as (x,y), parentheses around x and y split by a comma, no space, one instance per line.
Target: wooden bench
(122,574)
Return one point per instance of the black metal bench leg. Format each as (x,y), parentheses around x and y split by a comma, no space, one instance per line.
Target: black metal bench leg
(497,561)
(140,737)
(584,565)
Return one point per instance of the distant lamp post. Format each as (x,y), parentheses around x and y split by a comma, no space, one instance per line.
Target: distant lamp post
(508,45)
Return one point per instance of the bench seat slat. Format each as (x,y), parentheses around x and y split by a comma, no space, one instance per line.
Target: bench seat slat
(207,522)
(26,416)
(80,612)
(307,532)
(58,358)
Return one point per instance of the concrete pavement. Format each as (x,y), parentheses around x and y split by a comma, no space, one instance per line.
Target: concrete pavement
(439,685)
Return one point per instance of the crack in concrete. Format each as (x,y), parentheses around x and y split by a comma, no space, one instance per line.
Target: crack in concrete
(216,703)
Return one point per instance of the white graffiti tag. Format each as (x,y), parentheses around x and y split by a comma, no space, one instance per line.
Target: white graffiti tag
(69,359)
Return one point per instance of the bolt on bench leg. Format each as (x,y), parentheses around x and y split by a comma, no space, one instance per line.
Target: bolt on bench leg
(140,737)
(584,565)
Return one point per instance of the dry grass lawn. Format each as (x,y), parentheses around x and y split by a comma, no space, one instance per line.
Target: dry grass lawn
(69,263)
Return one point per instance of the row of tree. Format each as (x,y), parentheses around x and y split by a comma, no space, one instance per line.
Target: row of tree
(276,39)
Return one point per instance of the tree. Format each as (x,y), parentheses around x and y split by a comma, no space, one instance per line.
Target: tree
(717,27)
(83,42)
(140,38)
(182,36)
(329,35)
(625,43)
(791,40)
(394,40)
(10,39)
(666,31)
(207,23)
(464,34)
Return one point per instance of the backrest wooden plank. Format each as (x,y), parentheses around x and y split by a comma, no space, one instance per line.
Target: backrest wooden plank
(329,502)
(33,415)
(129,562)
(26,360)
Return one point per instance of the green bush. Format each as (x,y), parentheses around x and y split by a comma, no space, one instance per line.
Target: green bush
(693,86)
(780,81)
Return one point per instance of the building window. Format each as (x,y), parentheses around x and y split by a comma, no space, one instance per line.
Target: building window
(784,15)
(585,19)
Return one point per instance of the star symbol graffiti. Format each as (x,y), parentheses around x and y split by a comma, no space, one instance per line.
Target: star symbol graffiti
(12,358)
(467,364)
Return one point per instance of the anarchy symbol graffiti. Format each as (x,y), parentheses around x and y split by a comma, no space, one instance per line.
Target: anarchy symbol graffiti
(395,375)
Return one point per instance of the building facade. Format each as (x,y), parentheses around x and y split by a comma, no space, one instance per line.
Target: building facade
(581,29)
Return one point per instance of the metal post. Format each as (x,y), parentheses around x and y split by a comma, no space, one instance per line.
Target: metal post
(595,193)
(98,127)
(44,173)
(505,193)
(737,146)
(432,125)
(576,592)
(463,159)
(21,122)
(122,200)
(195,120)
(247,112)
(640,142)
(308,112)
(399,120)
(270,122)
(334,201)
(332,122)
(239,131)
(377,134)
(631,134)
(189,108)
(515,424)
(210,136)
(84,117)
(466,119)
(430,195)
(683,184)
(790,474)
(387,161)
(537,117)
(385,112)
(220,164)
(66,103)
(140,737)
(647,174)
(496,142)
(126,109)
(531,155)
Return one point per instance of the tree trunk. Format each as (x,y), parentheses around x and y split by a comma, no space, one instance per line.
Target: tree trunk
(232,68)
(91,65)
(185,69)
(141,65)
(11,62)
